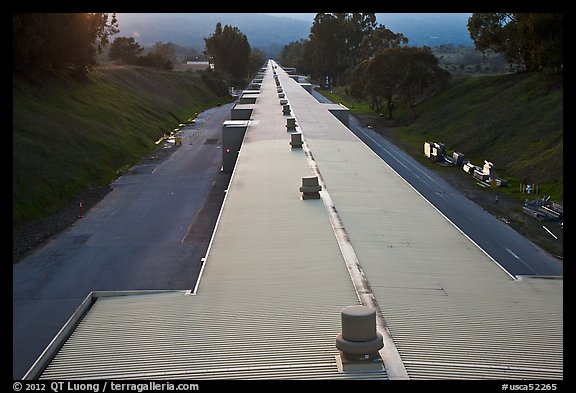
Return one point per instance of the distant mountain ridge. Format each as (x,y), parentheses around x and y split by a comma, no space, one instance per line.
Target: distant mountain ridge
(270,33)
(266,32)
(430,29)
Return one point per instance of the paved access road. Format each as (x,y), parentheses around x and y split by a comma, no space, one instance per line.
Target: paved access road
(511,250)
(140,236)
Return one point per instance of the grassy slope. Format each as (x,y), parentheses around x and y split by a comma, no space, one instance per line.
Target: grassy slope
(514,121)
(71,135)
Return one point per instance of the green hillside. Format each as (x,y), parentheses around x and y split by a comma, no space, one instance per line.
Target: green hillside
(512,120)
(71,135)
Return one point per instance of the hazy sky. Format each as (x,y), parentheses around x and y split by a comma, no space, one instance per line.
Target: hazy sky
(303,16)
(420,28)
(381,17)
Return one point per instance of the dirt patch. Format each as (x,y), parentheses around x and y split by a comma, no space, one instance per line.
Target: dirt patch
(505,208)
(27,238)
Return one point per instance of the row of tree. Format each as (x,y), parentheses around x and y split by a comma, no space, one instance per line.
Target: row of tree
(337,43)
(52,43)
(378,66)
(227,49)
(376,63)
(128,51)
(59,42)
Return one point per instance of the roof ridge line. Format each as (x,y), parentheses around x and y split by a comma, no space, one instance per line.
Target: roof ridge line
(390,355)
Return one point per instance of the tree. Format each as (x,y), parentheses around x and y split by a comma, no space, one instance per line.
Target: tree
(166,51)
(545,32)
(364,86)
(153,59)
(381,38)
(422,76)
(215,48)
(255,61)
(214,82)
(229,49)
(294,55)
(125,49)
(407,74)
(52,43)
(328,47)
(533,40)
(339,42)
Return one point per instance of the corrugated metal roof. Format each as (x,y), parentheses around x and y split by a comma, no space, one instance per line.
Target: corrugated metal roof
(268,302)
(179,336)
(452,311)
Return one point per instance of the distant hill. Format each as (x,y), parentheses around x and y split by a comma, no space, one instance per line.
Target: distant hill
(271,32)
(430,29)
(421,29)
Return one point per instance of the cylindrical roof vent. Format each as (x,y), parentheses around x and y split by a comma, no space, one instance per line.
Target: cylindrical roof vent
(296,141)
(359,341)
(310,188)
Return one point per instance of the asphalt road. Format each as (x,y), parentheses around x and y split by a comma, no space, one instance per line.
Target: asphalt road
(512,251)
(149,232)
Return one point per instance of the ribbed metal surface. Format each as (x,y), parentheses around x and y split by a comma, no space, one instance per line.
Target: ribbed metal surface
(452,312)
(269,300)
(179,336)
(512,333)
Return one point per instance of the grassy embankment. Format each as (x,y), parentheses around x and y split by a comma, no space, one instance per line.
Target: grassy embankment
(69,135)
(514,121)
